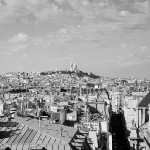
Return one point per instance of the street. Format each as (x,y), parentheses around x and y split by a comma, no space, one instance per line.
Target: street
(119,139)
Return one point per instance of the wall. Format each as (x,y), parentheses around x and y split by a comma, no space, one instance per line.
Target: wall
(55,116)
(53,108)
(72,116)
(1,108)
(105,129)
(62,116)
(110,141)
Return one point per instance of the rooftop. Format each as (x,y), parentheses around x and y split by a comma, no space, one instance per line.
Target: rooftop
(145,101)
(52,130)
(27,134)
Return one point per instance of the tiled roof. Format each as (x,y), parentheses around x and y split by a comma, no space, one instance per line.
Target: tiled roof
(145,101)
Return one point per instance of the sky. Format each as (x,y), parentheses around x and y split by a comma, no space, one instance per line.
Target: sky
(106,37)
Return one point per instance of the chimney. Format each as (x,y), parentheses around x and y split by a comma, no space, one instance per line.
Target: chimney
(21,105)
(80,91)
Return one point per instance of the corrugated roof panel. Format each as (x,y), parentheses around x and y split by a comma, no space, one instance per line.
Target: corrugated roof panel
(37,136)
(14,147)
(56,147)
(61,147)
(20,136)
(31,136)
(25,137)
(46,140)
(49,147)
(57,142)
(26,147)
(41,139)
(5,140)
(52,140)
(15,134)
(19,147)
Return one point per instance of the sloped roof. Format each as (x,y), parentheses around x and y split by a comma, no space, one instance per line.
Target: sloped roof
(145,101)
(28,135)
(52,130)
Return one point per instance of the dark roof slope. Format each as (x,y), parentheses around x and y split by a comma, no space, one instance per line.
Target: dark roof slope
(145,101)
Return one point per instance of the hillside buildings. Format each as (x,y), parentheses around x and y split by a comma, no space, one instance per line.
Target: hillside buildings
(70,110)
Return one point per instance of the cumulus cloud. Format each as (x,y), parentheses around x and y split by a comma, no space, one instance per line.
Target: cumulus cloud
(43,10)
(143,7)
(21,37)
(45,13)
(11,10)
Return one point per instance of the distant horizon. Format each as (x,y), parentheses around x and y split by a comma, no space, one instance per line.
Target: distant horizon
(107,37)
(69,70)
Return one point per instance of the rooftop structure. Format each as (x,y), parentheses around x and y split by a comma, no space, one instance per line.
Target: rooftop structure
(26,134)
(145,101)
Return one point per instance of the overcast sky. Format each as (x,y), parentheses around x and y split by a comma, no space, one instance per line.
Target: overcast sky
(106,37)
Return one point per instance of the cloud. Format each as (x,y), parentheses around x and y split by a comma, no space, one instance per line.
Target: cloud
(70,10)
(20,68)
(133,63)
(143,7)
(143,49)
(124,13)
(18,47)
(14,9)
(6,54)
(24,56)
(21,37)
(49,12)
